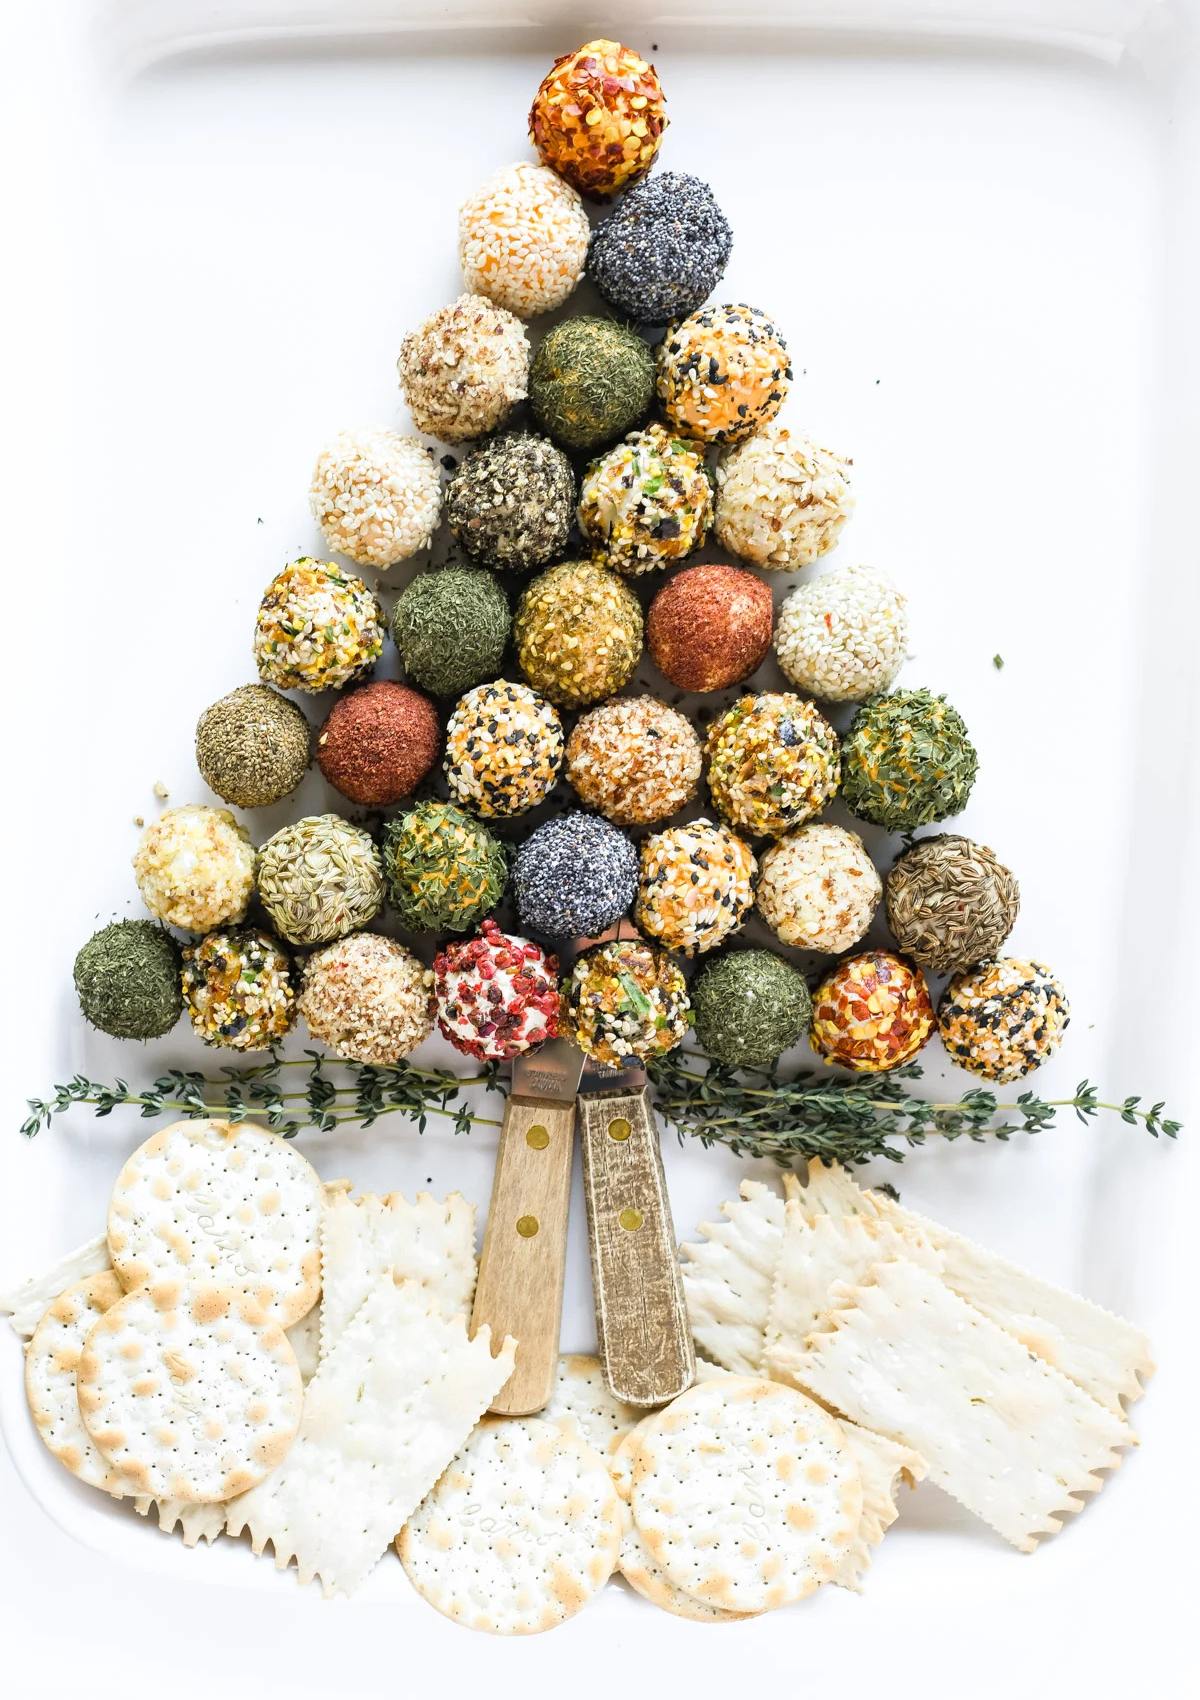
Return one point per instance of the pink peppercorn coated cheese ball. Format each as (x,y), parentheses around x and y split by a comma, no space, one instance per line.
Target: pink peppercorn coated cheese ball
(496,995)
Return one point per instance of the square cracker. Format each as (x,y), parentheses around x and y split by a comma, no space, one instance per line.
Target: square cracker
(728,1275)
(428,1240)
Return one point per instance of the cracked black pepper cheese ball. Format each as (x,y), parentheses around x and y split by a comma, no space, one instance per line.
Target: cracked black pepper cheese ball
(662,251)
(574,876)
(511,502)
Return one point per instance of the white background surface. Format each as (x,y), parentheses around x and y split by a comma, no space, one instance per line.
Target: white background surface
(983,256)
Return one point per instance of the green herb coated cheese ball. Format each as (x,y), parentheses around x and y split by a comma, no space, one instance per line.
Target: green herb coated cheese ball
(749,1007)
(773,763)
(319,879)
(252,747)
(238,988)
(445,871)
(1004,1018)
(504,747)
(451,628)
(317,628)
(722,373)
(511,502)
(626,999)
(578,634)
(195,868)
(368,999)
(591,382)
(647,502)
(907,761)
(127,980)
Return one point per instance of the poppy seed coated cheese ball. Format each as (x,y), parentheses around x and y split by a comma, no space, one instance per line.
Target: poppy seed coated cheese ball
(317,628)
(598,117)
(1004,1018)
(871,1013)
(578,633)
(696,884)
(451,627)
(647,502)
(591,382)
(497,996)
(634,760)
(950,903)
(722,373)
(662,251)
(378,743)
(511,502)
(818,889)
(782,500)
(445,871)
(623,999)
(773,763)
(504,747)
(907,761)
(319,879)
(749,1007)
(574,876)
(710,627)
(127,980)
(376,496)
(842,637)
(252,747)
(238,987)
(195,868)
(465,369)
(368,999)
(523,240)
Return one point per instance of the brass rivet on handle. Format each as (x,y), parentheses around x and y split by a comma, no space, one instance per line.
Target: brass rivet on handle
(527,1226)
(619,1128)
(538,1137)
(630,1219)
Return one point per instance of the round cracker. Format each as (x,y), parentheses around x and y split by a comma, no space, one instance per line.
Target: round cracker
(581,1392)
(521,1531)
(745,1494)
(220,1201)
(191,1392)
(51,1360)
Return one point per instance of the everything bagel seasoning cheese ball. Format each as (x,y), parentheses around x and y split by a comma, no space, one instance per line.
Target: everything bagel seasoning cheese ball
(523,240)
(842,637)
(376,496)
(319,879)
(578,633)
(591,381)
(194,867)
(710,627)
(696,884)
(127,980)
(511,502)
(634,760)
(378,743)
(317,628)
(504,747)
(237,984)
(574,876)
(818,888)
(907,761)
(451,627)
(749,1007)
(782,499)
(871,1013)
(951,903)
(773,763)
(598,117)
(252,747)
(368,999)
(663,249)
(445,871)
(1004,1018)
(464,369)
(722,373)
(496,995)
(646,502)
(625,999)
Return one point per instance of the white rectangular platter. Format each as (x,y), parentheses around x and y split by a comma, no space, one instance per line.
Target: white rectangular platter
(977,225)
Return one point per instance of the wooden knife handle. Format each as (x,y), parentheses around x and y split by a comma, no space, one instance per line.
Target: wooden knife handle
(520,1286)
(641,1317)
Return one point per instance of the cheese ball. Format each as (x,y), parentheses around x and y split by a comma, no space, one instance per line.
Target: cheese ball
(663,249)
(647,502)
(127,980)
(451,627)
(504,747)
(496,995)
(598,118)
(368,999)
(818,889)
(445,870)
(319,879)
(237,984)
(1004,1018)
(695,886)
(465,369)
(782,499)
(907,761)
(842,637)
(194,868)
(378,743)
(950,903)
(523,240)
(591,381)
(722,373)
(750,1006)
(773,762)
(511,502)
(317,628)
(634,760)
(625,999)
(871,1013)
(578,633)
(710,627)
(252,747)
(376,496)
(574,876)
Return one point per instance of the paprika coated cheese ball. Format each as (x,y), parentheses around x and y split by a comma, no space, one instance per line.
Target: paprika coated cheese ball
(773,763)
(504,747)
(194,868)
(634,760)
(464,369)
(376,496)
(512,501)
(598,117)
(523,240)
(591,381)
(695,886)
(624,999)
(451,627)
(317,628)
(367,998)
(722,373)
(252,747)
(1004,1018)
(663,249)
(496,995)
(237,984)
(871,1013)
(378,743)
(782,499)
(647,502)
(578,633)
(710,627)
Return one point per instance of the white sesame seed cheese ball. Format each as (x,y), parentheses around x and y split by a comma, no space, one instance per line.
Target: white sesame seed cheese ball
(523,240)
(781,499)
(465,369)
(818,888)
(843,637)
(376,496)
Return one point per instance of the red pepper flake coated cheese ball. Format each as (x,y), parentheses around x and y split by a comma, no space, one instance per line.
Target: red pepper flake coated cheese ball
(598,118)
(497,995)
(709,627)
(379,743)
(871,1013)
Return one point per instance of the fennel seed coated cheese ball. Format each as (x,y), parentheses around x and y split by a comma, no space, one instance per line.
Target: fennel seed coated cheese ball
(623,999)
(647,502)
(127,980)
(378,743)
(842,637)
(237,984)
(663,249)
(773,763)
(695,886)
(319,879)
(511,502)
(504,747)
(722,373)
(782,499)
(598,117)
(871,1013)
(464,369)
(496,995)
(252,747)
(634,760)
(574,876)
(523,240)
(368,999)
(451,627)
(950,903)
(195,868)
(749,1007)
(818,889)
(317,628)
(578,633)
(591,381)
(907,761)
(376,496)
(1004,1018)
(710,627)
(445,870)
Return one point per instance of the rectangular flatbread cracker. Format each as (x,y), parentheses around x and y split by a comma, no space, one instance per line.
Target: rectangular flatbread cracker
(427,1239)
(728,1274)
(26,1305)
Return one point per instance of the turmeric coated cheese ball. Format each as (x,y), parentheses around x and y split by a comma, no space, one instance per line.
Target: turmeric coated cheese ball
(578,634)
(598,118)
(722,373)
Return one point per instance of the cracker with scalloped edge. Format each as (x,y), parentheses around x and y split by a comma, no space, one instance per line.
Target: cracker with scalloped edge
(26,1304)
(883,1465)
(426,1239)
(728,1274)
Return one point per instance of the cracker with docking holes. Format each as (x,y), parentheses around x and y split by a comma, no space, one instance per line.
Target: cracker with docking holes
(394,1400)
(520,1533)
(193,1393)
(51,1361)
(728,1275)
(581,1393)
(26,1305)
(224,1202)
(427,1239)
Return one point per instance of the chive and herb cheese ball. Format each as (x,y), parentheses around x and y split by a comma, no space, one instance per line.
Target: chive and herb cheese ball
(1003,1018)
(368,999)
(773,763)
(722,373)
(710,627)
(319,879)
(907,761)
(511,502)
(378,743)
(598,117)
(376,496)
(626,999)
(782,499)
(578,633)
(695,886)
(496,995)
(127,980)
(451,627)
(523,240)
(871,1013)
(842,637)
(591,381)
(749,1007)
(252,747)
(818,888)
(238,987)
(950,903)
(574,876)
(634,760)
(663,249)
(445,870)
(647,502)
(194,868)
(464,369)
(317,628)
(504,747)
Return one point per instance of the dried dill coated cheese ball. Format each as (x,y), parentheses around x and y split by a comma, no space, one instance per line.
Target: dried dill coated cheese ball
(772,763)
(749,1007)
(907,761)
(696,884)
(252,747)
(523,240)
(634,760)
(238,988)
(465,369)
(496,995)
(591,382)
(647,502)
(194,868)
(1004,1018)
(843,636)
(574,876)
(578,633)
(871,1013)
(319,879)
(782,499)
(511,502)
(504,747)
(951,903)
(722,373)
(317,628)
(451,628)
(818,888)
(445,871)
(598,117)
(626,999)
(710,627)
(127,980)
(663,250)
(376,496)
(378,743)
(368,999)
